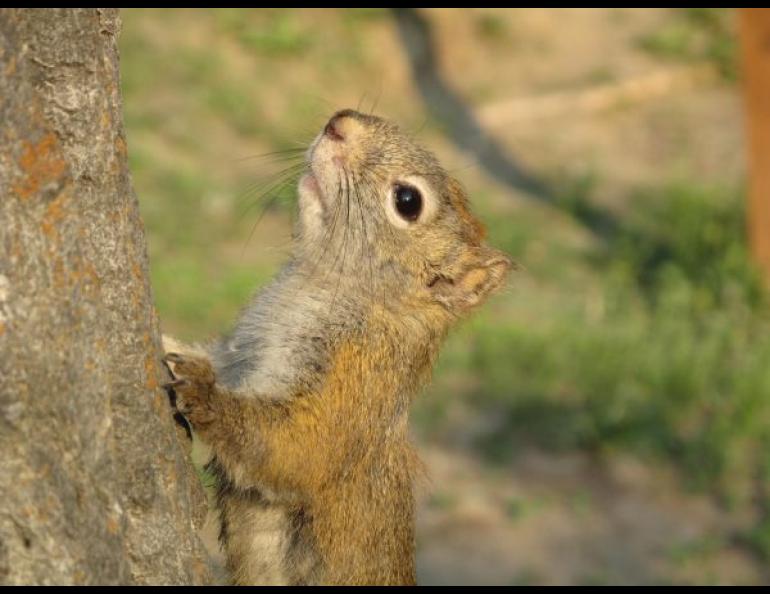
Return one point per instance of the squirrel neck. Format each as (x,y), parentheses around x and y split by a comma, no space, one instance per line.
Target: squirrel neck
(291,335)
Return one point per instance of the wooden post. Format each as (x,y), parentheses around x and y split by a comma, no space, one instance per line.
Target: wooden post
(755,42)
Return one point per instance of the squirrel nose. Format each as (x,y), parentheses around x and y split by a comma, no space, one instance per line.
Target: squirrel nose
(333,128)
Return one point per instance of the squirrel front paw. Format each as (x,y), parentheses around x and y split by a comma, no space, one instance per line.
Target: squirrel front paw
(193,387)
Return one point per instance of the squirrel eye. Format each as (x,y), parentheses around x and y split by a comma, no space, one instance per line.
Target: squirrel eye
(408,202)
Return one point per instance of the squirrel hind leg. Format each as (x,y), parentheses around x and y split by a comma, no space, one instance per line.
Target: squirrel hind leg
(256,540)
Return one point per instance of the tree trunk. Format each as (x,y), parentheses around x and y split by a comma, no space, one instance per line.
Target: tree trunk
(96,484)
(755,41)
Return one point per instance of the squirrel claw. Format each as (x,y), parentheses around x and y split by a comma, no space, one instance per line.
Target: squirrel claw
(193,388)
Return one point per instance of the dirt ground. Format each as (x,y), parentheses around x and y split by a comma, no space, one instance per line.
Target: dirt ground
(570,519)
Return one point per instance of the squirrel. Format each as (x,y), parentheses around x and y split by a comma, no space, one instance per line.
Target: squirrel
(304,405)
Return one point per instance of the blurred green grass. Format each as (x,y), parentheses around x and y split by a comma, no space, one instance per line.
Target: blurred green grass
(669,358)
(655,339)
(696,34)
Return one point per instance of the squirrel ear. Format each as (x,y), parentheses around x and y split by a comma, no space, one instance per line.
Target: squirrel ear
(475,280)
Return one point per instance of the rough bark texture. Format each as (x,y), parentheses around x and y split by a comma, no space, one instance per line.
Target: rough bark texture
(96,485)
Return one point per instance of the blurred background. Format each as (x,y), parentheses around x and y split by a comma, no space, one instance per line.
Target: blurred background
(605,420)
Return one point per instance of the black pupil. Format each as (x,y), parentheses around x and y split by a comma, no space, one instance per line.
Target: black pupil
(408,202)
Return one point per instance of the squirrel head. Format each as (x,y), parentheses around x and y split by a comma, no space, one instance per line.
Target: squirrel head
(378,210)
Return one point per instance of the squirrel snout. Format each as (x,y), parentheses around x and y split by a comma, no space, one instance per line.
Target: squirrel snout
(342,123)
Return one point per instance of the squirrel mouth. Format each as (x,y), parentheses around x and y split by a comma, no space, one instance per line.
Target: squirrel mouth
(309,183)
(310,191)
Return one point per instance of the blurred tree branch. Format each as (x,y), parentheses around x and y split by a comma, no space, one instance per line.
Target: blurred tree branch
(600,97)
(448,108)
(463,127)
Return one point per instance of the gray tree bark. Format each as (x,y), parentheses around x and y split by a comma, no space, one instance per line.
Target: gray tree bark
(95,484)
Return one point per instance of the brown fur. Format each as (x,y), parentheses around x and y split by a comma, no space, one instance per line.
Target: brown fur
(316,486)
